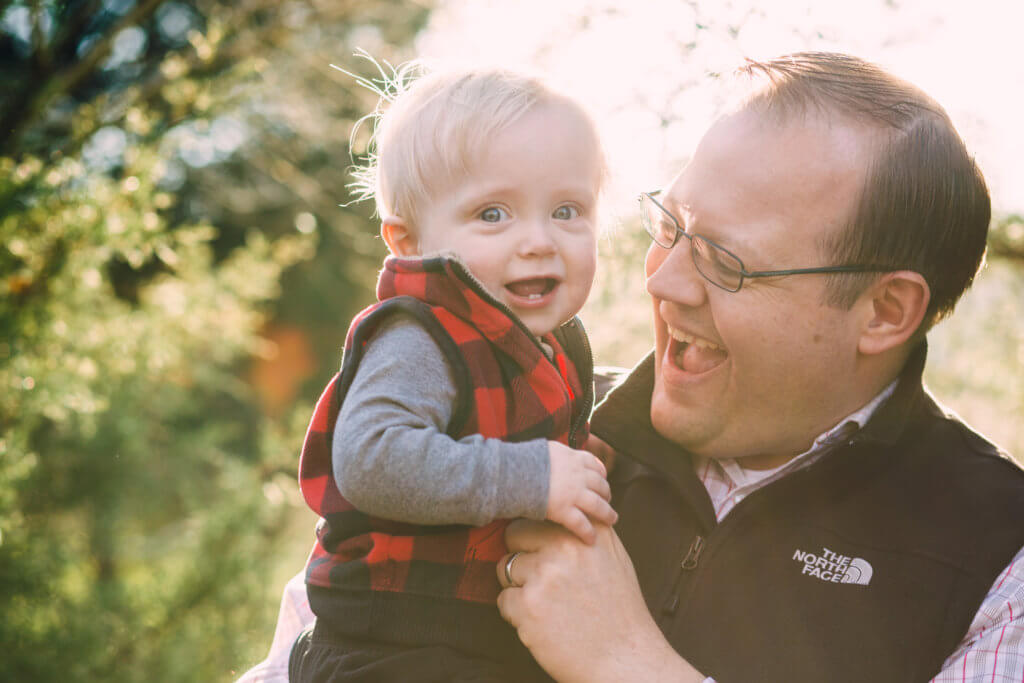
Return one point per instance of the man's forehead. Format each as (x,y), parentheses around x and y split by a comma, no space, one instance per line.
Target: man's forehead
(818,134)
(801,171)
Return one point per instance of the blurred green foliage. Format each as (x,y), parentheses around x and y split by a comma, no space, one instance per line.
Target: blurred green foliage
(165,167)
(976,357)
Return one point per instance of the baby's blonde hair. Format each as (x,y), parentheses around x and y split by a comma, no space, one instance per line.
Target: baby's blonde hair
(427,125)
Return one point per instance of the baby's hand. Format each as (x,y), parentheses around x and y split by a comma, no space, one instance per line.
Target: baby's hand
(578,491)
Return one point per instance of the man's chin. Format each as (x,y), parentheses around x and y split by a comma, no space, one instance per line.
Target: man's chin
(674,421)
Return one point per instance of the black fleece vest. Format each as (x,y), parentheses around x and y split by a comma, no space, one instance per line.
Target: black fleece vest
(868,565)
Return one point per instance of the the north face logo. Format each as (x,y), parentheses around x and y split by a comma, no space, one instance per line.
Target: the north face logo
(835,568)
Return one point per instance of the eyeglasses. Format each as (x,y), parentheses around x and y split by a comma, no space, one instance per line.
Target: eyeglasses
(715,263)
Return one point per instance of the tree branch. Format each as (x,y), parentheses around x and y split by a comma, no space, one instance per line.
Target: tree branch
(40,91)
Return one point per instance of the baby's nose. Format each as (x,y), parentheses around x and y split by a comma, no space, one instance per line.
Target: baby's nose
(536,239)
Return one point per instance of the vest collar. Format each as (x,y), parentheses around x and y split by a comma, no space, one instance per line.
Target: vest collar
(890,421)
(623,419)
(444,280)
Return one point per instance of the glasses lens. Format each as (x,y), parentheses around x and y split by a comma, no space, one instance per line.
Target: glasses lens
(716,264)
(657,223)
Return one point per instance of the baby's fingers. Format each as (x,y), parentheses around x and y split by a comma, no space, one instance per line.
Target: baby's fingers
(597,508)
(593,463)
(598,485)
(575,521)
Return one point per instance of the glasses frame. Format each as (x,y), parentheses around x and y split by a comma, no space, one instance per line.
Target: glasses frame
(744,273)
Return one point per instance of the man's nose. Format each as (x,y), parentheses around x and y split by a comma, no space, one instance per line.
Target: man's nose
(536,238)
(672,275)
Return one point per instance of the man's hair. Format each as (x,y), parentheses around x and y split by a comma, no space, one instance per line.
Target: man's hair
(429,126)
(923,206)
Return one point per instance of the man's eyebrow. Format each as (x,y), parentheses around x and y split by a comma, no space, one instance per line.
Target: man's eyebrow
(713,231)
(682,212)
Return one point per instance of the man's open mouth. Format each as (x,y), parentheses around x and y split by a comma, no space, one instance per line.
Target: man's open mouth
(694,354)
(532,289)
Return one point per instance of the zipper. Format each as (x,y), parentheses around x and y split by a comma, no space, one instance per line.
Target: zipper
(688,564)
(588,391)
(691,562)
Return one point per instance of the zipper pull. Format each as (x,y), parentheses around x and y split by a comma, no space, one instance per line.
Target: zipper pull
(693,554)
(689,563)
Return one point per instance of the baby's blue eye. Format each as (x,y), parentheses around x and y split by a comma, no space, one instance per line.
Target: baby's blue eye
(493,214)
(565,213)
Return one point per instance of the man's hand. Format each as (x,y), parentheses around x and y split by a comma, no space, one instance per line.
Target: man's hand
(579,610)
(602,450)
(578,491)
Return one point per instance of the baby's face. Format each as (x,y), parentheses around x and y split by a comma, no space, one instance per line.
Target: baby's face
(523,218)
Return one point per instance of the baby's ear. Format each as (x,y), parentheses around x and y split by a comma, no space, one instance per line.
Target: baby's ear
(399,238)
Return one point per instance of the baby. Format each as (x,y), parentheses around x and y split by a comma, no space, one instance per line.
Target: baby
(464,393)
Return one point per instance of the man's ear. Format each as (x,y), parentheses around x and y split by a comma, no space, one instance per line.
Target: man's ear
(399,238)
(898,302)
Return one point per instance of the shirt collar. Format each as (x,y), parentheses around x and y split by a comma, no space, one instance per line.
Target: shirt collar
(840,433)
(623,420)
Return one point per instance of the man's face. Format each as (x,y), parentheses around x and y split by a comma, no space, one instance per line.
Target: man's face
(523,218)
(757,373)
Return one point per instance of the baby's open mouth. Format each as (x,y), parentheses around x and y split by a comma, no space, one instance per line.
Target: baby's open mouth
(532,288)
(694,354)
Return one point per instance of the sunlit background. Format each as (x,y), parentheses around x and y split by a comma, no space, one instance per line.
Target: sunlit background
(179,263)
(642,67)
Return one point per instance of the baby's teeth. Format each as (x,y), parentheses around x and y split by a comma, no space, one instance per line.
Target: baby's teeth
(533,296)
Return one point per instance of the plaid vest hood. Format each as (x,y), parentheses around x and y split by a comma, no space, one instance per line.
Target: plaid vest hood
(507,388)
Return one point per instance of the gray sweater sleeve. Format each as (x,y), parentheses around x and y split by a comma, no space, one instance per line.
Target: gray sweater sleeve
(392,458)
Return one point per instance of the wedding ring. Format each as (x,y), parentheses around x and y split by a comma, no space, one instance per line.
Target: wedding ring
(508,570)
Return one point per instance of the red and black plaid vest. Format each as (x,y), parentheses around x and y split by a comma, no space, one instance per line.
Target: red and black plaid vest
(507,389)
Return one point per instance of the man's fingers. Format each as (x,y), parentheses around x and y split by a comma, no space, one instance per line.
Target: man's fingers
(522,569)
(509,571)
(602,450)
(530,535)
(508,605)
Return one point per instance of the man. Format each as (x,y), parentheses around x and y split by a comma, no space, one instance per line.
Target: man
(792,505)
(795,505)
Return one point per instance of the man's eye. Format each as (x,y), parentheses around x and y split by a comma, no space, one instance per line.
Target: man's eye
(565,213)
(666,228)
(493,214)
